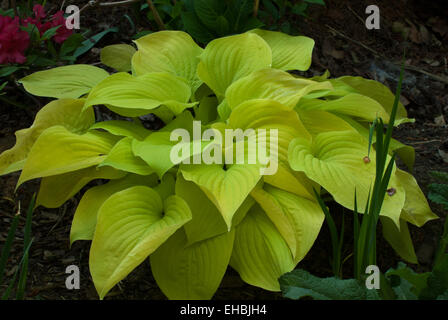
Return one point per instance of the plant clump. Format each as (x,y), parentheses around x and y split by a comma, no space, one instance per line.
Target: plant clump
(191,218)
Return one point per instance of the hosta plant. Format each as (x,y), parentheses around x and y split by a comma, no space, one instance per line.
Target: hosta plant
(195,218)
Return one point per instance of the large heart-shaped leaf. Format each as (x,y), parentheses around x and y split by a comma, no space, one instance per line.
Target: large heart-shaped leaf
(226,188)
(191,272)
(228,59)
(335,160)
(207,221)
(297,219)
(85,218)
(269,114)
(174,52)
(260,254)
(288,52)
(131,225)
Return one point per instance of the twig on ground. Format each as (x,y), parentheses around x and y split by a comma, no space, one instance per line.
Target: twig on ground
(356,15)
(376,53)
(94,3)
(355,41)
(424,142)
(256,6)
(117,3)
(14,6)
(433,76)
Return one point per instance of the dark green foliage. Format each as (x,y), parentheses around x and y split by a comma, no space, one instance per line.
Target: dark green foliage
(438,192)
(206,20)
(299,283)
(22,268)
(273,12)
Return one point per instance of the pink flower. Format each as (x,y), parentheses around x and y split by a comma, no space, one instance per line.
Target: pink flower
(13,41)
(39,14)
(62,33)
(39,11)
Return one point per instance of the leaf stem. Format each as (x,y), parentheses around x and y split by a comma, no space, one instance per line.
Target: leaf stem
(156,15)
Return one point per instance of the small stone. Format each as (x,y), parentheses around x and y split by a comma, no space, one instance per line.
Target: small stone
(48,255)
(68,260)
